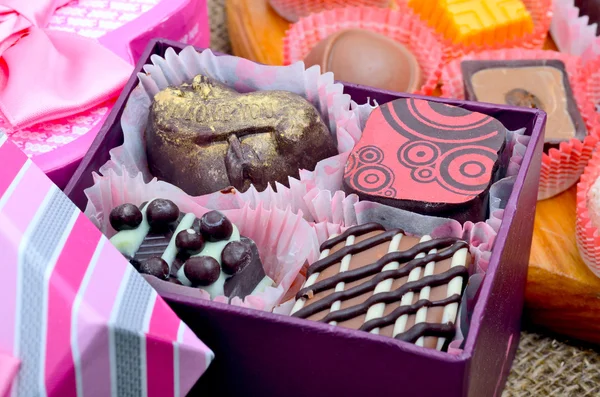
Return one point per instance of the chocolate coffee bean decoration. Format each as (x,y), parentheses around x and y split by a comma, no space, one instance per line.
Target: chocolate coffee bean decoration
(235,256)
(204,136)
(215,226)
(125,217)
(202,270)
(189,241)
(161,212)
(156,267)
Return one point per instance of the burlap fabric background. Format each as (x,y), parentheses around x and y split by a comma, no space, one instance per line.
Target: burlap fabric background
(544,366)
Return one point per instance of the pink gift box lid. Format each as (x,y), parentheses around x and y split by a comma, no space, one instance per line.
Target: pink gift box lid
(75,314)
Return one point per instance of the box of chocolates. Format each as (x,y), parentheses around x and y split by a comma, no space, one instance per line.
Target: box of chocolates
(369,291)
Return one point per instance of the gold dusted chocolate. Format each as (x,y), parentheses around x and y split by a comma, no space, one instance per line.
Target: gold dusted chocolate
(205,136)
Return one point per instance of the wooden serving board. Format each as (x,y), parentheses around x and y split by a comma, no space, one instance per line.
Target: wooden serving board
(562,294)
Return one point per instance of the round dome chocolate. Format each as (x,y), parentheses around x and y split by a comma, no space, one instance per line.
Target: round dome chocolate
(189,241)
(215,226)
(363,57)
(202,270)
(125,217)
(235,256)
(161,212)
(156,267)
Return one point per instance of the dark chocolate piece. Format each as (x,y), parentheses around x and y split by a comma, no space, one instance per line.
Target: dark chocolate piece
(245,281)
(204,136)
(234,278)
(542,83)
(189,242)
(125,217)
(156,267)
(215,226)
(202,270)
(427,157)
(393,284)
(384,63)
(161,213)
(235,256)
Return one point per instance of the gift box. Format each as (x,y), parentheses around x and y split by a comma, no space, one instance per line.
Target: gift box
(77,318)
(124,27)
(271,354)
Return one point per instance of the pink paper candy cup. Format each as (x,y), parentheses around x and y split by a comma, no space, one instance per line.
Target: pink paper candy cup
(562,167)
(400,25)
(588,237)
(292,10)
(285,240)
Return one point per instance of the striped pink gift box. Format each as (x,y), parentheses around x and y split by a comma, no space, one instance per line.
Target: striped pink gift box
(79,319)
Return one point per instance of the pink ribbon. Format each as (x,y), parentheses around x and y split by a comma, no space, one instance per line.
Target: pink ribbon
(44,74)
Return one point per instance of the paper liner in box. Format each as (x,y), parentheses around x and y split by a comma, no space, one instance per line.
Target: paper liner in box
(285,241)
(560,167)
(75,313)
(571,32)
(587,235)
(400,25)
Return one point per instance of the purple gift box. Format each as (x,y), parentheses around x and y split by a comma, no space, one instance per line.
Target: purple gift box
(262,353)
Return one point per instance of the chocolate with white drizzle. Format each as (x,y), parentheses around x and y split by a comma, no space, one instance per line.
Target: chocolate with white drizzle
(183,238)
(387,283)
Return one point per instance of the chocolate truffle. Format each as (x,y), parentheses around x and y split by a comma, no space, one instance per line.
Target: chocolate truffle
(541,84)
(427,157)
(387,283)
(125,217)
(204,136)
(195,258)
(363,57)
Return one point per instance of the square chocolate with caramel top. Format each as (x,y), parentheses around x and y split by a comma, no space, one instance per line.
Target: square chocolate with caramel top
(542,84)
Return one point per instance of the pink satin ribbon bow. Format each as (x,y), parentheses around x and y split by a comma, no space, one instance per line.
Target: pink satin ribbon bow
(46,75)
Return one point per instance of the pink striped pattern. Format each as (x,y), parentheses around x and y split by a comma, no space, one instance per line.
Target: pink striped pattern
(81,299)
(159,355)
(100,295)
(12,162)
(22,207)
(64,284)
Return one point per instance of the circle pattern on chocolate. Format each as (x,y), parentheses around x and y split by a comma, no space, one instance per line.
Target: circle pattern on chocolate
(370,155)
(466,170)
(373,178)
(424,174)
(436,122)
(418,154)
